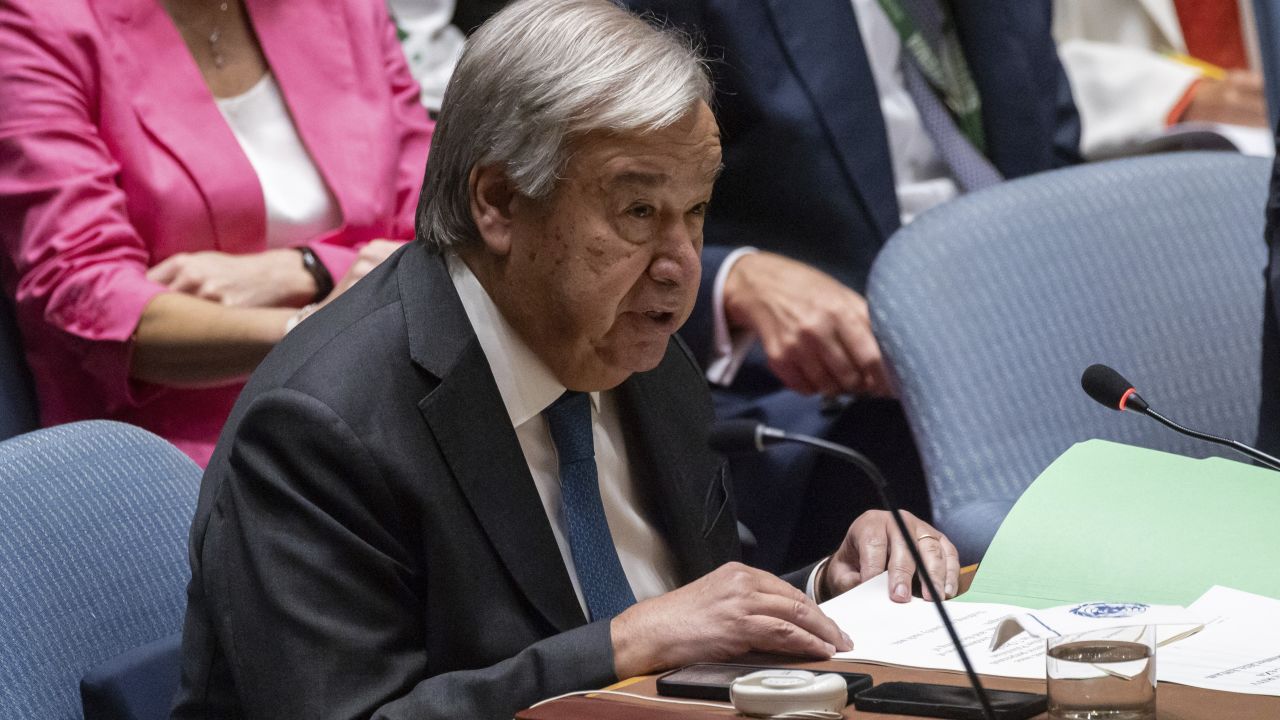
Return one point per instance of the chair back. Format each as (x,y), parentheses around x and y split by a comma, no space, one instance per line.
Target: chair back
(94,518)
(17,397)
(989,308)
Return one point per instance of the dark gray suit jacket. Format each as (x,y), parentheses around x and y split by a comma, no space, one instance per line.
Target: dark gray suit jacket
(369,542)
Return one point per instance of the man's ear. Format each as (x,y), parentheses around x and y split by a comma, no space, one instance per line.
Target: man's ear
(493,198)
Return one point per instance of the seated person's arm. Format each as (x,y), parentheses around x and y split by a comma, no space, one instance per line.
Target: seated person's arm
(184,340)
(816,332)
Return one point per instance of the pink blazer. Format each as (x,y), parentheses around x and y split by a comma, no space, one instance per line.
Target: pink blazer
(113,156)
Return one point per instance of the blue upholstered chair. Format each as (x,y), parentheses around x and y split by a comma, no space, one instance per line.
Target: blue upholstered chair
(17,399)
(990,307)
(94,519)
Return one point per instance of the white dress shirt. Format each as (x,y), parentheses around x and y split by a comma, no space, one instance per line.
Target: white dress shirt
(299,204)
(528,387)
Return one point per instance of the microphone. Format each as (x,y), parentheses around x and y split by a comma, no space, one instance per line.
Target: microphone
(1109,388)
(745,436)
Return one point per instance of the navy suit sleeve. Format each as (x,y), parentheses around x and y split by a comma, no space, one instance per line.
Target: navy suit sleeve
(1066,135)
(308,566)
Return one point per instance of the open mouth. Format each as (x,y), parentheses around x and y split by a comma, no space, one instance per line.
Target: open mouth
(661,321)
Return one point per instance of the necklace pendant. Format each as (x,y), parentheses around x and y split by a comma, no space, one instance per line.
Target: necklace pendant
(219,60)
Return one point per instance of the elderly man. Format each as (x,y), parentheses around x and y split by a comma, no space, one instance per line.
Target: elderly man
(480,478)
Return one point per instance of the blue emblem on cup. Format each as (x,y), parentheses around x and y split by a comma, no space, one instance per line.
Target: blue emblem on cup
(1101,611)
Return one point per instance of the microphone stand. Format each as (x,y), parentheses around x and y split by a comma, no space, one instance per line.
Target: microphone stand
(1236,445)
(871,471)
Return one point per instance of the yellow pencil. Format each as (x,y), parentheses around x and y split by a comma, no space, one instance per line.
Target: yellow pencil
(1208,69)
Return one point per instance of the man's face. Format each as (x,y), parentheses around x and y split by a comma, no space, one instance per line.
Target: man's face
(599,275)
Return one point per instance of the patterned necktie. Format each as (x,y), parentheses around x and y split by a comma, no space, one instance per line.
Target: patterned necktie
(604,585)
(970,169)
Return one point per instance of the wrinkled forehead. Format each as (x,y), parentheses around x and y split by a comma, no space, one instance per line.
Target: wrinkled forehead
(685,152)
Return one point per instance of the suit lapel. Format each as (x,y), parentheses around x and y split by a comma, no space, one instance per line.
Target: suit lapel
(484,456)
(172,100)
(318,80)
(683,480)
(825,49)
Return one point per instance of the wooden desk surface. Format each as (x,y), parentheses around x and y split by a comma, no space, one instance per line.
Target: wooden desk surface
(1173,702)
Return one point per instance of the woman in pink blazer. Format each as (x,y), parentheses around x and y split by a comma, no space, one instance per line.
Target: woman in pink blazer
(141,245)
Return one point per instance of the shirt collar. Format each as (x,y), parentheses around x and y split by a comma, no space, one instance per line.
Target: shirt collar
(526,384)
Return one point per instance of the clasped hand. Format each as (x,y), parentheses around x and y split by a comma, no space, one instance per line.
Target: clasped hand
(272,278)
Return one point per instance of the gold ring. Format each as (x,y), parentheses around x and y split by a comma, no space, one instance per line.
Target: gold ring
(927,536)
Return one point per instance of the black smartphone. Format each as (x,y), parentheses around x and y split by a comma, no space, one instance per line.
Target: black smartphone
(956,702)
(711,681)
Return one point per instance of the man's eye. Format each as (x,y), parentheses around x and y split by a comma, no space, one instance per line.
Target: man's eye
(640,211)
(699,209)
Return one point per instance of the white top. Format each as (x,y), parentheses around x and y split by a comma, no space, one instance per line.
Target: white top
(528,387)
(921,179)
(299,204)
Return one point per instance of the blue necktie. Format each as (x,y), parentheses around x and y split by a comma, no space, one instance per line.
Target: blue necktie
(604,585)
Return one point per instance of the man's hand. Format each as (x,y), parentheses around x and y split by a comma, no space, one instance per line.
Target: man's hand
(1238,99)
(816,332)
(874,545)
(729,612)
(274,278)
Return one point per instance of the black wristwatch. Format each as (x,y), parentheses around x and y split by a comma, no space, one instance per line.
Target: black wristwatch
(318,272)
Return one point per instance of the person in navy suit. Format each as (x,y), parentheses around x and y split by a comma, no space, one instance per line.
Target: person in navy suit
(835,135)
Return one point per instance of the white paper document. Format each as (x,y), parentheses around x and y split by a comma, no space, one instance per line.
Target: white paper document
(911,634)
(1237,650)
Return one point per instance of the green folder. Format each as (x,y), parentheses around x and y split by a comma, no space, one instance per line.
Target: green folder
(1112,522)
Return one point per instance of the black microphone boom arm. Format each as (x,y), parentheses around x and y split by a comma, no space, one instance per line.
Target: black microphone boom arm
(729,436)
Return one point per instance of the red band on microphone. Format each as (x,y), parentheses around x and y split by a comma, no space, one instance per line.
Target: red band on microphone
(1125,398)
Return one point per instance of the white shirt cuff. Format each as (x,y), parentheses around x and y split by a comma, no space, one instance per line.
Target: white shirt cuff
(730,348)
(811,585)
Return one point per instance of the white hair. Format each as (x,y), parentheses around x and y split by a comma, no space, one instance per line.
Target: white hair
(533,77)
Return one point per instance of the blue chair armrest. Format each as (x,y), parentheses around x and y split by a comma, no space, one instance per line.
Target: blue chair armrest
(137,685)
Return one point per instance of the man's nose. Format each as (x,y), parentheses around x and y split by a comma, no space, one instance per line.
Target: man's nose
(679,257)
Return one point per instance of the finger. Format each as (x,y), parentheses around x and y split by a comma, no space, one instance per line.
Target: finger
(186,282)
(765,633)
(842,573)
(211,291)
(873,551)
(878,381)
(802,613)
(810,365)
(165,271)
(900,565)
(790,375)
(835,363)
(930,546)
(951,557)
(862,347)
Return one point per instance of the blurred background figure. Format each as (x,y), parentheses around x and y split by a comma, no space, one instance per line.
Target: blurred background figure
(843,120)
(1140,66)
(181,181)
(432,45)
